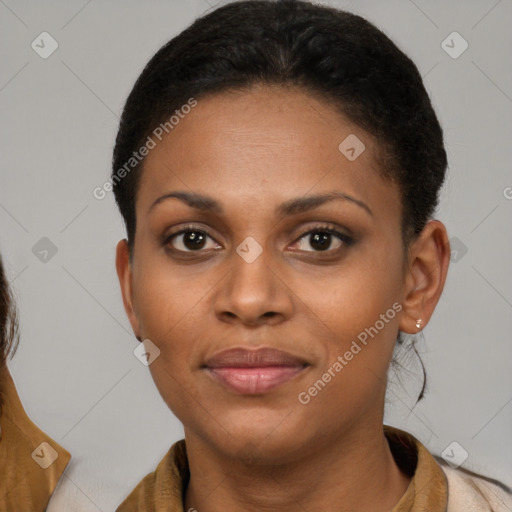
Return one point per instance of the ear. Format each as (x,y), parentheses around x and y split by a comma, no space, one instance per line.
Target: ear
(124,274)
(429,257)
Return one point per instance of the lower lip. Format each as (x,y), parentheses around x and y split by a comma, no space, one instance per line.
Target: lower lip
(254,381)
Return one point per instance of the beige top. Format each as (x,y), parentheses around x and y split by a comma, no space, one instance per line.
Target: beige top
(434,487)
(31,463)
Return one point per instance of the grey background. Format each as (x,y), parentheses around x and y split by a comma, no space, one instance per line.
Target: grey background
(75,370)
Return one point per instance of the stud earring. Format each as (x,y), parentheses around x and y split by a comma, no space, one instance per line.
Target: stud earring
(418,323)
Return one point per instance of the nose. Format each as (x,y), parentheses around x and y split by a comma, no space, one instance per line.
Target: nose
(254,292)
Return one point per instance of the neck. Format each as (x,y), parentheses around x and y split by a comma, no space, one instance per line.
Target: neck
(355,471)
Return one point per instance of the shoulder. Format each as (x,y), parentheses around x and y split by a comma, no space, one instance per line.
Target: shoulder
(468,491)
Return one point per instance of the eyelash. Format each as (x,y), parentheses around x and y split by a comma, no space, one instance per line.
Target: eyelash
(323,228)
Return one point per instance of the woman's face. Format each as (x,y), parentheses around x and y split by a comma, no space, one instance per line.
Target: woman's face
(247,275)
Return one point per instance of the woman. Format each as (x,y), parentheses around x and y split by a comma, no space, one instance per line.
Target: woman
(31,463)
(277,167)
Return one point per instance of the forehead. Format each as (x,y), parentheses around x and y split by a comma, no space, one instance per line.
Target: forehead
(264,145)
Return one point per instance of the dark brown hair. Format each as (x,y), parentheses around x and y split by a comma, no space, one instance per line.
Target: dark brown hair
(335,55)
(8,319)
(8,322)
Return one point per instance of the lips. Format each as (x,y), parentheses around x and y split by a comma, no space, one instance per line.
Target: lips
(254,371)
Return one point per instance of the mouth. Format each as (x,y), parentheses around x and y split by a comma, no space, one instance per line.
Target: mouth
(255,371)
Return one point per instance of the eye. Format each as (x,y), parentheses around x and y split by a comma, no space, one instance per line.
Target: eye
(190,239)
(321,239)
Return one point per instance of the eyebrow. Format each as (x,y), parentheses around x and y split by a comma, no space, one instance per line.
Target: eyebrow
(290,207)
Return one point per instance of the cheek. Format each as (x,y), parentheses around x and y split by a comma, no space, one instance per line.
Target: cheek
(176,388)
(165,296)
(356,311)
(172,307)
(352,376)
(349,299)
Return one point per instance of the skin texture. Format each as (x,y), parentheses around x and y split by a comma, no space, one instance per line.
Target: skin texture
(252,151)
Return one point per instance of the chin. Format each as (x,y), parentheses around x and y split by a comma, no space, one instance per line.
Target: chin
(260,438)
(260,452)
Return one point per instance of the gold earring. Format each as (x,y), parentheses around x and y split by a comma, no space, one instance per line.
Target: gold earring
(418,323)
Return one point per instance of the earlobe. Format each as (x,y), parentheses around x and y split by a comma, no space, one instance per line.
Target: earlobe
(124,274)
(426,276)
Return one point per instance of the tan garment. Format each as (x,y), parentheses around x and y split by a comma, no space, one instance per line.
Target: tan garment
(31,463)
(433,488)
